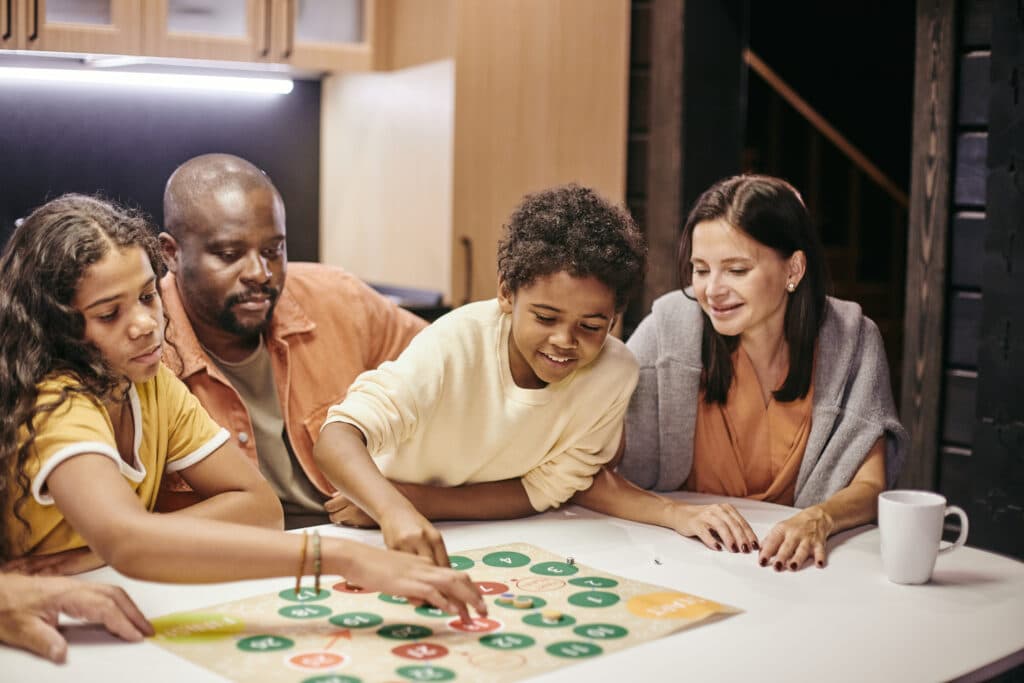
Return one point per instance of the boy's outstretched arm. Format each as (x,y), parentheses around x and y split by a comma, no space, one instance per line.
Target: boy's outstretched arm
(341,454)
(505,499)
(716,525)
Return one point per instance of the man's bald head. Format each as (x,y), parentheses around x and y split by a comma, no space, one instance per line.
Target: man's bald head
(206,183)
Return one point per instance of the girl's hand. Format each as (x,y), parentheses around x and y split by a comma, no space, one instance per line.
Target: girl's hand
(63,563)
(414,577)
(793,541)
(343,511)
(718,526)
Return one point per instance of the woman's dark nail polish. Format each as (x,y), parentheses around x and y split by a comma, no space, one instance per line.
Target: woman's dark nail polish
(734,548)
(718,546)
(764,562)
(820,564)
(744,547)
(778,566)
(755,546)
(792,566)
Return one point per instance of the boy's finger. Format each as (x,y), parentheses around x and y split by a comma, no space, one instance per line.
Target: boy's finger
(40,638)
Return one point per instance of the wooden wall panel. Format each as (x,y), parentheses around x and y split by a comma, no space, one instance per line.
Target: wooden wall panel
(926,247)
(540,100)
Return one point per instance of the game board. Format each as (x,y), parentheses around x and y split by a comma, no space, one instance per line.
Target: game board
(347,635)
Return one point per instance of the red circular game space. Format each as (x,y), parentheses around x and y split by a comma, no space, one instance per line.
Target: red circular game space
(477,625)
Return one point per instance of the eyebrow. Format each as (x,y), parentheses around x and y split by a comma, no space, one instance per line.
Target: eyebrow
(558,310)
(731,259)
(115,297)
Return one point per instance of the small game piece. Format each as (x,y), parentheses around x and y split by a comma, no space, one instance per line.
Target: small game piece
(523,602)
(506,599)
(550,616)
(571,561)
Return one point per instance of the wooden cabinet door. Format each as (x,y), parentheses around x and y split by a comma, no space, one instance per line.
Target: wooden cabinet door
(323,35)
(96,26)
(12,34)
(233,30)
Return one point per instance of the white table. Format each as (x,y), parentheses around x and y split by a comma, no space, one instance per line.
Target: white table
(842,623)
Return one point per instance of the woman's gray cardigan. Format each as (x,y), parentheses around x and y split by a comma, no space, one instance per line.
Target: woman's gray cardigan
(853,402)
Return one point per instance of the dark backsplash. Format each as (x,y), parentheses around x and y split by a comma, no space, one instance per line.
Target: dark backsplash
(124,143)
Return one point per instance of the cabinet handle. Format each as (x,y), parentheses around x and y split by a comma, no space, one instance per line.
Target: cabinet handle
(34,33)
(467,247)
(289,34)
(7,21)
(266,29)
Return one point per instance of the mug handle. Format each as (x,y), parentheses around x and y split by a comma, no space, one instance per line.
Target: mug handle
(962,538)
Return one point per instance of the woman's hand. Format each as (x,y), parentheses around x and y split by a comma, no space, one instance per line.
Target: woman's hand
(718,526)
(414,577)
(793,541)
(63,563)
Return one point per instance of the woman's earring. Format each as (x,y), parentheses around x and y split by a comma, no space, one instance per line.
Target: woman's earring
(790,287)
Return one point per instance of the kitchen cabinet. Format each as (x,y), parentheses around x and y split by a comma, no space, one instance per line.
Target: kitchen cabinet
(317,35)
(90,26)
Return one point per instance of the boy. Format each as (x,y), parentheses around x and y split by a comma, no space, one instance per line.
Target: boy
(505,407)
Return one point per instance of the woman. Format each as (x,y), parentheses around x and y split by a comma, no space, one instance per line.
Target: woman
(755,384)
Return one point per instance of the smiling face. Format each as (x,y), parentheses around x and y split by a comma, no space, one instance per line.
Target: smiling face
(559,325)
(230,263)
(123,314)
(740,283)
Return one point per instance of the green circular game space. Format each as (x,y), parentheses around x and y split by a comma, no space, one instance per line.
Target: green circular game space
(264,643)
(573,649)
(460,562)
(554,569)
(537,603)
(404,632)
(357,620)
(593,599)
(424,672)
(600,631)
(393,599)
(332,678)
(429,611)
(306,594)
(506,558)
(536,619)
(304,611)
(593,582)
(507,641)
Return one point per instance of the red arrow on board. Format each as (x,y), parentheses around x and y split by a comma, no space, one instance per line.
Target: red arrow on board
(341,633)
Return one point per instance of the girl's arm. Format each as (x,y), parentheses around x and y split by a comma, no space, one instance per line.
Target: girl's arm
(92,495)
(342,456)
(232,490)
(792,542)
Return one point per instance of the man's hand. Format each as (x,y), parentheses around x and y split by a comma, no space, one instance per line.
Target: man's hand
(343,511)
(407,530)
(58,564)
(31,605)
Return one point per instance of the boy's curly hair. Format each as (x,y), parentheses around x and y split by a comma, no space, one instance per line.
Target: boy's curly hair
(572,228)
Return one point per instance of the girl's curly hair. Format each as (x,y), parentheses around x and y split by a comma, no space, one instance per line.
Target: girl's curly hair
(41,333)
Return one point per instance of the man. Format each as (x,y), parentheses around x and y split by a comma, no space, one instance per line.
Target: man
(265,359)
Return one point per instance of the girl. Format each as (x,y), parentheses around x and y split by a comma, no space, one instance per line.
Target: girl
(91,421)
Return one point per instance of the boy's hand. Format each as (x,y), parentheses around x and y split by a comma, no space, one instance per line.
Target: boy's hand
(407,530)
(343,511)
(718,526)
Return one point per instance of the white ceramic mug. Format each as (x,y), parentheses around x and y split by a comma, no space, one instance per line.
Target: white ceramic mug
(910,523)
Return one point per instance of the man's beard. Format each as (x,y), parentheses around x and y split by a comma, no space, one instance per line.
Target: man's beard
(229,322)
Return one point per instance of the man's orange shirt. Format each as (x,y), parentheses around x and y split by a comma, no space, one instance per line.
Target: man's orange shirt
(328,327)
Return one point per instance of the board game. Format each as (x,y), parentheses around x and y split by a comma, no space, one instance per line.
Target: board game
(545,612)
